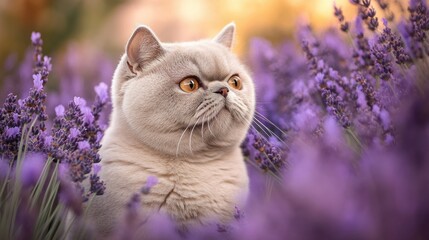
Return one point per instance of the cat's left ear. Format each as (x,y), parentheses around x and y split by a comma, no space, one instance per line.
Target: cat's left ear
(226,36)
(142,48)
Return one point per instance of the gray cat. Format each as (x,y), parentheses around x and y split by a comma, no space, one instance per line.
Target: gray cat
(180,112)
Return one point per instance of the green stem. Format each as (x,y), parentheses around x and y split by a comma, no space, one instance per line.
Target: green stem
(353,136)
(48,201)
(80,236)
(40,183)
(70,224)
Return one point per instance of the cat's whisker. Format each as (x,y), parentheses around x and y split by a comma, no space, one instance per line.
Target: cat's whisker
(208,125)
(202,128)
(269,121)
(180,139)
(269,130)
(256,129)
(190,136)
(265,134)
(260,126)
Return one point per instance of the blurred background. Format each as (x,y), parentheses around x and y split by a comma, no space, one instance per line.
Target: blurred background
(87,38)
(104,26)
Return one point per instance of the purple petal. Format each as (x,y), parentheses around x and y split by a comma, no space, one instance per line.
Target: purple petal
(87,115)
(35,37)
(32,167)
(12,132)
(59,110)
(83,145)
(74,132)
(101,90)
(79,102)
(96,167)
(37,81)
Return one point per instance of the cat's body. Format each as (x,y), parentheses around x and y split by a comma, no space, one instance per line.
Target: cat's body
(180,115)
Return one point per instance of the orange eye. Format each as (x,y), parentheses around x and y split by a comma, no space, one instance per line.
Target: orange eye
(189,85)
(235,82)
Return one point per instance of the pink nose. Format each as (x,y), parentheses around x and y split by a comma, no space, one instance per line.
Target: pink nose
(223,91)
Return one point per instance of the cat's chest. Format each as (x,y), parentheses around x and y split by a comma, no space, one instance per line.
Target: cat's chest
(195,192)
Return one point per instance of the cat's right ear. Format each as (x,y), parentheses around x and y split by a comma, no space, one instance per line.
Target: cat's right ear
(142,48)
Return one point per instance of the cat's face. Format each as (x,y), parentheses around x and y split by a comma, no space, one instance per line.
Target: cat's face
(184,98)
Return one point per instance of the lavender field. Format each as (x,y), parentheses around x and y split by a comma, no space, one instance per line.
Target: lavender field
(338,149)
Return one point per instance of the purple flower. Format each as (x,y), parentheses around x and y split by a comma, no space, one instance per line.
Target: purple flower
(48,141)
(12,132)
(385,118)
(87,115)
(238,214)
(339,14)
(134,204)
(99,136)
(68,193)
(38,82)
(96,167)
(32,167)
(47,63)
(80,102)
(319,77)
(362,53)
(83,145)
(35,37)
(74,132)
(150,182)
(101,90)
(59,111)
(97,186)
(15,117)
(382,60)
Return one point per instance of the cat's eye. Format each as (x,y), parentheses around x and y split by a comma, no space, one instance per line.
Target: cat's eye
(235,82)
(189,85)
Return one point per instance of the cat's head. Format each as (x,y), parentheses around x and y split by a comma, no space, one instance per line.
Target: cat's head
(183,98)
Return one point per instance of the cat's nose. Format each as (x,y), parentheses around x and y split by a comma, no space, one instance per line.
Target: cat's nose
(223,91)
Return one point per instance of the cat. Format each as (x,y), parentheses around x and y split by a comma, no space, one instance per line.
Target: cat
(180,112)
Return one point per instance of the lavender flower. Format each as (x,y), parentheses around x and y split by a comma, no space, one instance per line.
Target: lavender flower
(332,100)
(74,133)
(382,60)
(385,6)
(238,214)
(339,14)
(368,14)
(59,111)
(266,155)
(10,125)
(101,90)
(362,53)
(32,168)
(12,132)
(83,145)
(150,182)
(38,83)
(69,194)
(96,185)
(80,102)
(394,43)
(88,118)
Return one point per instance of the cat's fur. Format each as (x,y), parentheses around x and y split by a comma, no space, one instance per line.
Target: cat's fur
(189,141)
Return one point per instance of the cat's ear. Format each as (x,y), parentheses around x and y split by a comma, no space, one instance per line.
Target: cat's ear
(226,36)
(142,48)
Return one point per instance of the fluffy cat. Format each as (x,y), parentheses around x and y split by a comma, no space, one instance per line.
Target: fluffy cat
(180,112)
